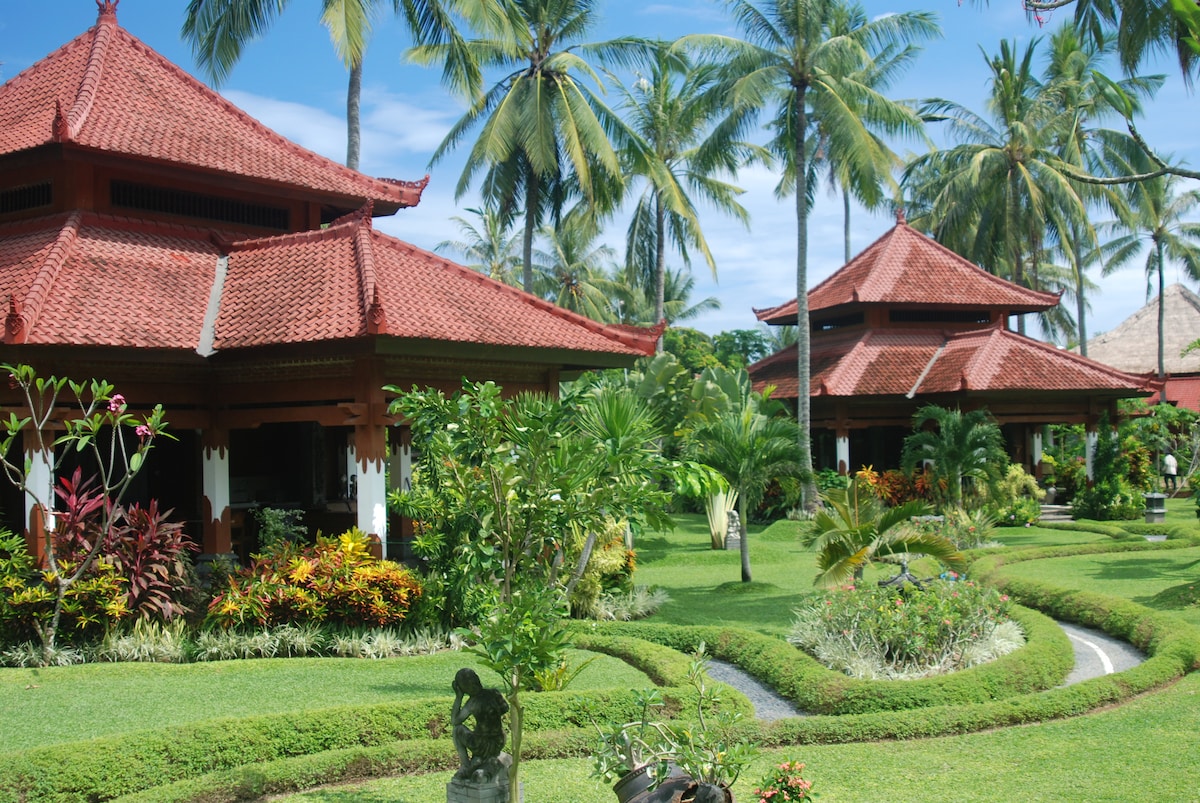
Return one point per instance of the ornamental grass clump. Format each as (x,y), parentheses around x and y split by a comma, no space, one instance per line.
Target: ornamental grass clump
(909,632)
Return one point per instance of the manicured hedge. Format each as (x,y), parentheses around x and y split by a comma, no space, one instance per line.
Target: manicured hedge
(1045,661)
(243,759)
(108,767)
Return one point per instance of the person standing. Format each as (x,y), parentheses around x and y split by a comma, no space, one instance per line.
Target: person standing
(1170,470)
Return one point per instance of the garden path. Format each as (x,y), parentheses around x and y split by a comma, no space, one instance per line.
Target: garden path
(1096,654)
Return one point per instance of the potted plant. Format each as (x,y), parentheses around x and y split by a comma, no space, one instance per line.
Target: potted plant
(697,760)
(633,754)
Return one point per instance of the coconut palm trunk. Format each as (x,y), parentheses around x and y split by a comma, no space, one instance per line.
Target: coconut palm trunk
(803,330)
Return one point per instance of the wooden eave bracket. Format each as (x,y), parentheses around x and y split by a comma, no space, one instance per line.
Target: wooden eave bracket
(366,414)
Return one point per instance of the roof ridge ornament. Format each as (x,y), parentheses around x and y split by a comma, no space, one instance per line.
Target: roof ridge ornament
(107,8)
(60,129)
(14,323)
(901,220)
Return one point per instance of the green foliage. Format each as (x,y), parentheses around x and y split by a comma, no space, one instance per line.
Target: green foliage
(88,607)
(962,447)
(1015,499)
(904,632)
(752,444)
(279,525)
(854,528)
(829,479)
(739,348)
(692,348)
(1111,497)
(335,581)
(524,486)
(966,529)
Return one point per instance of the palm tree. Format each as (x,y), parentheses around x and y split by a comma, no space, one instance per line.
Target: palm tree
(854,529)
(750,445)
(843,171)
(688,139)
(678,285)
(219,29)
(540,125)
(994,196)
(962,446)
(576,273)
(1073,74)
(487,247)
(794,63)
(1157,214)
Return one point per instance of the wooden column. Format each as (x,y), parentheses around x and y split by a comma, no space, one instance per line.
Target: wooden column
(218,538)
(370,450)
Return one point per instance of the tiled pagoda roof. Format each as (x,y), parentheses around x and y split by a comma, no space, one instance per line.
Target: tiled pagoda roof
(107,91)
(906,268)
(88,279)
(922,362)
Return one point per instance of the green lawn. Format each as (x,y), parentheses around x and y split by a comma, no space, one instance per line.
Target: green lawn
(102,699)
(1144,750)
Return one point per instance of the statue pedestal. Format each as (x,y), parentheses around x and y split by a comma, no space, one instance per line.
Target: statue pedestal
(461,791)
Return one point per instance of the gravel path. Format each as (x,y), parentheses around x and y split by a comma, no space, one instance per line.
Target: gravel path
(1096,654)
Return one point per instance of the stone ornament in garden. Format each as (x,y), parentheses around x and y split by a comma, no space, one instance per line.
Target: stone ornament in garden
(482,775)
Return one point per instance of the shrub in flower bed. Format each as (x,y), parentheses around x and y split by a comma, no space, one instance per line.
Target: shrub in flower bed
(1043,662)
(894,633)
(335,581)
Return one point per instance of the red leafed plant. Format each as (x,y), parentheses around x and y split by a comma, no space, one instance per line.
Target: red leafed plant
(151,553)
(147,551)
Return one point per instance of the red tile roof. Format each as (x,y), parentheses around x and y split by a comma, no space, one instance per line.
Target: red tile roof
(87,279)
(906,268)
(271,295)
(1184,391)
(900,362)
(106,90)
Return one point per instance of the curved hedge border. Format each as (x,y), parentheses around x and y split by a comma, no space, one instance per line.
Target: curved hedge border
(208,762)
(1044,661)
(1124,529)
(107,767)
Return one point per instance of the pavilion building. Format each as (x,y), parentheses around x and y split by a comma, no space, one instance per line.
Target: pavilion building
(907,322)
(1133,345)
(154,235)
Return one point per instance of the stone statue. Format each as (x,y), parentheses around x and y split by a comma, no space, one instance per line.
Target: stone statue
(479,750)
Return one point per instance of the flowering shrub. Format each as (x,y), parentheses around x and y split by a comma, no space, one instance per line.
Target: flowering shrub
(965,529)
(895,487)
(334,581)
(784,783)
(89,607)
(149,552)
(908,632)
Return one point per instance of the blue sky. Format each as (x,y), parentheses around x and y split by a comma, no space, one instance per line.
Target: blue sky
(292,81)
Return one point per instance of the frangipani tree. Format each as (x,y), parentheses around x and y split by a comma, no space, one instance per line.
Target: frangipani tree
(97,422)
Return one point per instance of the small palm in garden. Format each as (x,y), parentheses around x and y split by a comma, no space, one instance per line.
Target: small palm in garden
(853,529)
(959,447)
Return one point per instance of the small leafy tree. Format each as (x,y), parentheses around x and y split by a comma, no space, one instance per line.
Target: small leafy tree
(99,424)
(751,444)
(960,447)
(500,488)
